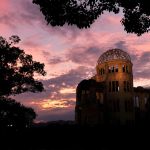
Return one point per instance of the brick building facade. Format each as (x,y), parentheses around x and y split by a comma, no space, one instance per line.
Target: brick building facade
(109,97)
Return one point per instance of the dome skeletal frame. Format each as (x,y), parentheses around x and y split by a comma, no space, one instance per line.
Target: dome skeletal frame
(113,54)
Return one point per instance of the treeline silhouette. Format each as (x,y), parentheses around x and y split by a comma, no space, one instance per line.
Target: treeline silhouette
(66,136)
(17,71)
(15,115)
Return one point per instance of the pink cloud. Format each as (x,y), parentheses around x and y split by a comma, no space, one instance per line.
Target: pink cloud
(69,54)
(4,6)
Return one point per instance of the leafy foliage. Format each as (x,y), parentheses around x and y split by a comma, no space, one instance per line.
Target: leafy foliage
(15,115)
(83,13)
(17,69)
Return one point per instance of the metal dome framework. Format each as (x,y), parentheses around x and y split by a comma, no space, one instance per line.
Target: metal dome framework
(114,54)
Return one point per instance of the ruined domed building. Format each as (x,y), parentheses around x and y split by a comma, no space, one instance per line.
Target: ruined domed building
(109,97)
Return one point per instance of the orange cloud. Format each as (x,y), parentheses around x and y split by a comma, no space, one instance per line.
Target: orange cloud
(67,90)
(48,104)
(67,52)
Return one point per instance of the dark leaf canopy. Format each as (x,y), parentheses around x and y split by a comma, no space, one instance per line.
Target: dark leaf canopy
(17,69)
(83,13)
(15,115)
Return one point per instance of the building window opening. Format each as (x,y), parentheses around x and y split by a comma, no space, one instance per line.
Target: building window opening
(103,71)
(128,86)
(109,69)
(136,101)
(145,100)
(100,71)
(126,105)
(117,86)
(131,105)
(127,69)
(113,86)
(124,85)
(116,107)
(116,69)
(123,68)
(110,105)
(109,86)
(99,97)
(112,68)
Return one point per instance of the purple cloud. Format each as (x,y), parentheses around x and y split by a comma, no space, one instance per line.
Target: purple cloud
(84,56)
(52,93)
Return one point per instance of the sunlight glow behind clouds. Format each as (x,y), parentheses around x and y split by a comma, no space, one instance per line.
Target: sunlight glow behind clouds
(67,90)
(69,54)
(49,104)
(52,104)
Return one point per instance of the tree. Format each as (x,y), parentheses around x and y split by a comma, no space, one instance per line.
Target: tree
(83,13)
(17,71)
(14,115)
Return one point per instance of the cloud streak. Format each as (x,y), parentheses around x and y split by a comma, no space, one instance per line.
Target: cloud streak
(69,54)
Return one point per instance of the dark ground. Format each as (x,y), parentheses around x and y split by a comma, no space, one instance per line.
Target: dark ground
(73,137)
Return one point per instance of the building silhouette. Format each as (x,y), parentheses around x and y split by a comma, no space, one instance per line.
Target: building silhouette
(109,97)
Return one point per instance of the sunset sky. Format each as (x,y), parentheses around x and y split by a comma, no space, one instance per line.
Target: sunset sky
(69,54)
